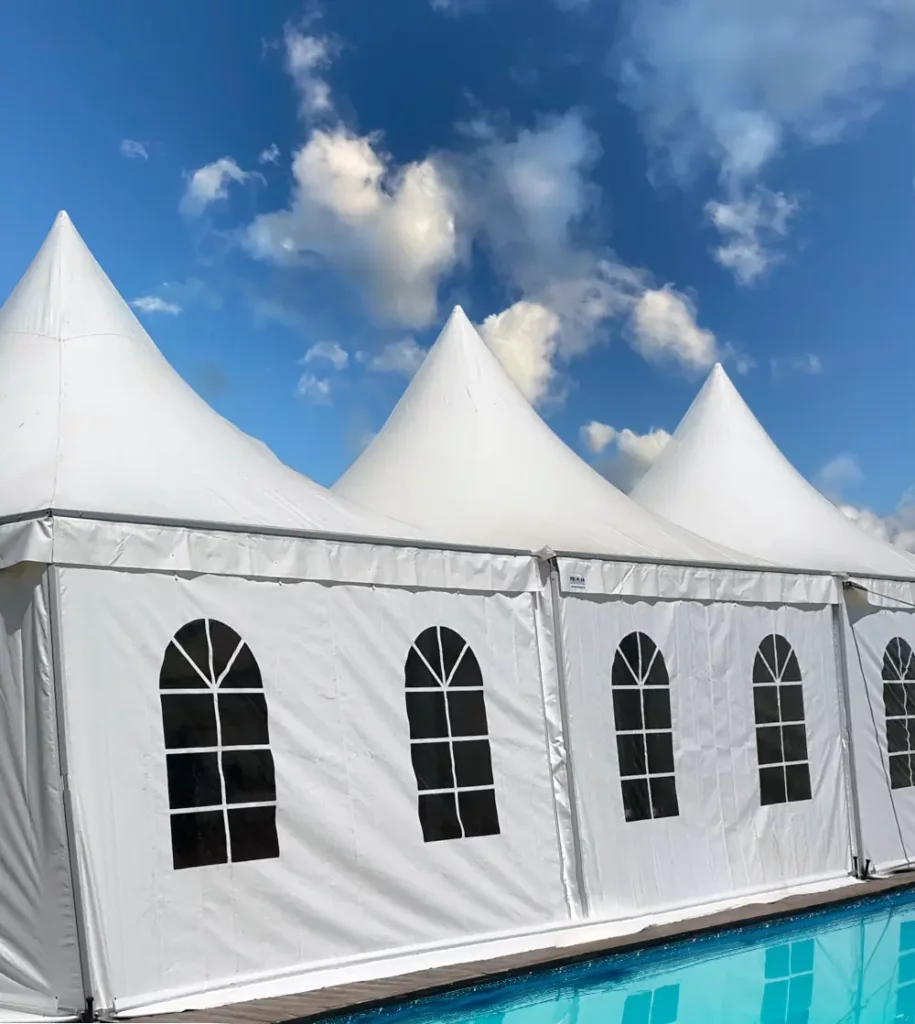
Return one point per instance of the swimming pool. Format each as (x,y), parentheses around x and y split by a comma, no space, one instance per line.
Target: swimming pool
(850,965)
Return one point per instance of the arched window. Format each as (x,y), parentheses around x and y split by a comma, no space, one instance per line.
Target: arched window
(899,701)
(449,738)
(221,787)
(644,738)
(781,736)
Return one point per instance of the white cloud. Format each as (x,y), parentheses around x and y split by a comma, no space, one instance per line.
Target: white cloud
(392,229)
(838,475)
(897,528)
(210,183)
(307,56)
(327,351)
(664,327)
(597,436)
(748,226)
(731,82)
(271,155)
(808,363)
(155,304)
(314,389)
(524,339)
(134,149)
(403,356)
(633,455)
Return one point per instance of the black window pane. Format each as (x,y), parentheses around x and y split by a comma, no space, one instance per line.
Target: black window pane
(894,699)
(631,750)
(791,673)
(891,668)
(427,644)
(769,744)
(626,663)
(244,673)
(761,671)
(654,671)
(249,776)
(252,833)
(198,839)
(767,652)
(472,763)
(900,771)
(192,638)
(452,646)
(911,732)
(467,712)
(782,653)
(657,708)
(910,669)
(772,786)
(478,812)
(660,749)
(177,673)
(620,674)
(193,780)
(432,765)
(664,797)
(792,703)
(189,720)
(797,777)
(243,719)
(426,714)
(416,671)
(627,707)
(636,804)
(794,742)
(438,817)
(468,671)
(909,689)
(765,704)
(225,643)
(897,735)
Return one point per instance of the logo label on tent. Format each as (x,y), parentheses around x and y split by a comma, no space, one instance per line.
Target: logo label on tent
(577,583)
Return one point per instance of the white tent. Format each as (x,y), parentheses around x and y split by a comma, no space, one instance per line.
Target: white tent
(228,764)
(722,476)
(465,456)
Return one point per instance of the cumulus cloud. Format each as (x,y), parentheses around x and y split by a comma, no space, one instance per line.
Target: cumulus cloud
(664,328)
(155,304)
(897,528)
(730,82)
(211,183)
(271,155)
(403,357)
(807,363)
(524,339)
(631,455)
(749,225)
(307,56)
(596,436)
(133,149)
(392,229)
(838,475)
(316,390)
(329,352)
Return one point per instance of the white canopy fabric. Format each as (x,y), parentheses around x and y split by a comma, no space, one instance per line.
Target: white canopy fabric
(465,456)
(722,476)
(93,419)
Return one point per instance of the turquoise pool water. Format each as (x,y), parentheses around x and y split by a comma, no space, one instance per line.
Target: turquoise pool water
(852,965)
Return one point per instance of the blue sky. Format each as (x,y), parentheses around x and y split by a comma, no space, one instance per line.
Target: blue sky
(618,194)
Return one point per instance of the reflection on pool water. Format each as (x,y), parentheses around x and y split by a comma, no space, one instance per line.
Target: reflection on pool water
(852,965)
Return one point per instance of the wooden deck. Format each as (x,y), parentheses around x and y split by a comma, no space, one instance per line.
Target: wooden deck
(314,1006)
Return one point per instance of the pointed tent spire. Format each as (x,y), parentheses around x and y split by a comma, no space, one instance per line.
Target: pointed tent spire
(93,419)
(466,457)
(723,477)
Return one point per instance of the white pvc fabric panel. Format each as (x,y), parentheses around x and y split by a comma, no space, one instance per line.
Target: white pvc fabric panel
(354,878)
(873,627)
(39,960)
(722,842)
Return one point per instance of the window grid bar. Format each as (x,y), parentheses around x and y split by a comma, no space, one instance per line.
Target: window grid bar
(458,789)
(222,774)
(457,809)
(217,749)
(190,691)
(651,775)
(223,807)
(423,689)
(439,739)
